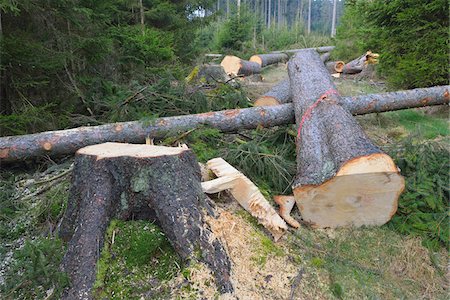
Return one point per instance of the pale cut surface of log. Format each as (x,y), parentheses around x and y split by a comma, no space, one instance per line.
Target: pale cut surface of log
(61,142)
(126,181)
(234,66)
(248,196)
(265,60)
(286,204)
(335,66)
(339,170)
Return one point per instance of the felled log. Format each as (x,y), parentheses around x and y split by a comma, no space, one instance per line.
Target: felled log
(278,94)
(335,66)
(342,178)
(318,49)
(60,142)
(234,66)
(246,193)
(325,56)
(357,65)
(269,59)
(125,181)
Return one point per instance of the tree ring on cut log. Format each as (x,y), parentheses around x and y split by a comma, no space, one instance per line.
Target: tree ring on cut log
(365,191)
(266,101)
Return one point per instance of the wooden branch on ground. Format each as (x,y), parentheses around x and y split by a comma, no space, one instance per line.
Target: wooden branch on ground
(125,181)
(342,179)
(234,66)
(61,142)
(269,59)
(246,193)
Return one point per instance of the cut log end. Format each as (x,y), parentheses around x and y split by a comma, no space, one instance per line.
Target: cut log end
(231,65)
(339,66)
(257,59)
(266,101)
(365,191)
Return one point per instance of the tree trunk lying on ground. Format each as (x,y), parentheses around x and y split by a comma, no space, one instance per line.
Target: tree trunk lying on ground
(60,142)
(357,65)
(318,49)
(269,59)
(125,181)
(342,179)
(234,66)
(335,66)
(325,56)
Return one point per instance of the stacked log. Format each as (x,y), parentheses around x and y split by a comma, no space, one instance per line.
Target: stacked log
(61,142)
(342,179)
(234,66)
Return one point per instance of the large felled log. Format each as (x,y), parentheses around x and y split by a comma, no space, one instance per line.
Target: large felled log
(342,179)
(318,49)
(269,59)
(125,181)
(246,193)
(60,142)
(234,66)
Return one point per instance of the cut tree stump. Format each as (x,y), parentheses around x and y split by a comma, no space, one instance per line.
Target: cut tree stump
(234,66)
(125,181)
(68,141)
(342,179)
(265,60)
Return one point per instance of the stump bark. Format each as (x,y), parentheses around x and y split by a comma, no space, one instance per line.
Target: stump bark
(125,181)
(234,66)
(265,60)
(342,179)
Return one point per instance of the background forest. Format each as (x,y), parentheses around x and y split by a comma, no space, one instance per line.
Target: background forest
(70,63)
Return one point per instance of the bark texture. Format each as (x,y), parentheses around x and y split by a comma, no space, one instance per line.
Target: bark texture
(269,59)
(126,181)
(332,152)
(62,142)
(318,49)
(325,56)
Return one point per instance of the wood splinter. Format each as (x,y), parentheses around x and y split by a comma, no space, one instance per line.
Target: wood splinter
(246,193)
(286,204)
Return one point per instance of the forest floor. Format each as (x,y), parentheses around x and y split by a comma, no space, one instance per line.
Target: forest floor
(363,263)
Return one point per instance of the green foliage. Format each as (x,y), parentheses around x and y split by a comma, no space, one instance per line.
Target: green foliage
(236,31)
(423,207)
(34,273)
(136,260)
(410,35)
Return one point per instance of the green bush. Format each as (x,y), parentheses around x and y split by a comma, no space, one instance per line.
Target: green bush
(423,206)
(236,31)
(410,35)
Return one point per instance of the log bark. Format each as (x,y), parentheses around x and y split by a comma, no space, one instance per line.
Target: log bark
(234,66)
(357,65)
(63,142)
(318,49)
(125,181)
(342,179)
(325,56)
(269,59)
(335,66)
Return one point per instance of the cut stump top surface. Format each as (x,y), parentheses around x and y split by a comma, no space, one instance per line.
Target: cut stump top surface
(108,150)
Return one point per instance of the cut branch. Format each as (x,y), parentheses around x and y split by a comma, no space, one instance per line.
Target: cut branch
(60,142)
(342,179)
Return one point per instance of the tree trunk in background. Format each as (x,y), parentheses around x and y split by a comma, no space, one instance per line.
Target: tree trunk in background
(63,142)
(309,16)
(333,22)
(269,13)
(342,179)
(141,10)
(238,7)
(279,14)
(228,9)
(127,182)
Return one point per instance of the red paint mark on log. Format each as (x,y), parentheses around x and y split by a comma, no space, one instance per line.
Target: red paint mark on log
(206,115)
(4,152)
(118,128)
(446,95)
(47,146)
(262,113)
(231,113)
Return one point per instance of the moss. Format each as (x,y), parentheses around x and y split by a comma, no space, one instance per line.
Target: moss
(136,261)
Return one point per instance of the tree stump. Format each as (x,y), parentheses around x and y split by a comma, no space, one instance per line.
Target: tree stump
(126,181)
(342,179)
